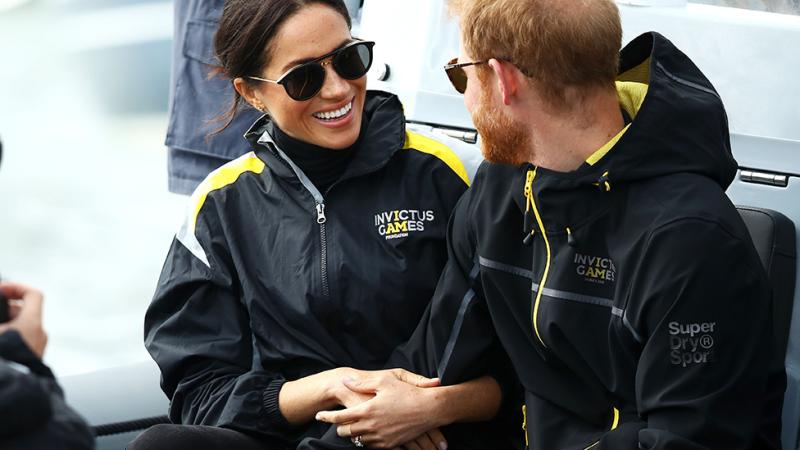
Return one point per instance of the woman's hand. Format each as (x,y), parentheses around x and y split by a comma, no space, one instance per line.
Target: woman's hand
(26,318)
(403,410)
(299,400)
(430,440)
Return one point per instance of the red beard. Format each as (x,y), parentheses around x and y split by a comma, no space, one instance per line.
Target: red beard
(503,138)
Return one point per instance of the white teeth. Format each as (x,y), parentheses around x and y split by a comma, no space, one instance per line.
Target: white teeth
(334,114)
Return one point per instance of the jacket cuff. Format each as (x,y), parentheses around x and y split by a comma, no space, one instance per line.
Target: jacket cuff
(13,348)
(275,418)
(512,396)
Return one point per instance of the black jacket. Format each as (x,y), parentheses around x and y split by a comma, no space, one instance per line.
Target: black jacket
(268,280)
(638,315)
(33,414)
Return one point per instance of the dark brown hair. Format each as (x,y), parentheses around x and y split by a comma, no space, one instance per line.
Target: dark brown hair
(242,42)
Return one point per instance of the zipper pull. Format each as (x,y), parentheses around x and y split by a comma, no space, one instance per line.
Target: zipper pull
(321,213)
(528,221)
(528,239)
(528,217)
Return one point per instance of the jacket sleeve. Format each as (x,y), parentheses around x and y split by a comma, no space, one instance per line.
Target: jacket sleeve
(24,396)
(33,413)
(455,339)
(198,331)
(700,308)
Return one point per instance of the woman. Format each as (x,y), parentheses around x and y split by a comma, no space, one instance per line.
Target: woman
(312,255)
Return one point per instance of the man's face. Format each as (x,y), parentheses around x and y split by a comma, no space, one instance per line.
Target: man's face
(503,137)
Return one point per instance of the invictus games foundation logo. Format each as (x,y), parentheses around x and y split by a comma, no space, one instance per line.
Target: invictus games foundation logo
(595,269)
(691,343)
(399,223)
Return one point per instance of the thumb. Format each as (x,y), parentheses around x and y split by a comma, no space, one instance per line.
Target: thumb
(427,382)
(338,417)
(417,380)
(360,386)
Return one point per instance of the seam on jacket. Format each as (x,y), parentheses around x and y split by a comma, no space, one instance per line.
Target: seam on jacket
(639,338)
(439,150)
(686,82)
(462,310)
(599,301)
(218,179)
(505,267)
(621,314)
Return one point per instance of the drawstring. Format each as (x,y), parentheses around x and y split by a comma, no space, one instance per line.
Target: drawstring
(604,183)
(528,222)
(525,424)
(571,241)
(531,205)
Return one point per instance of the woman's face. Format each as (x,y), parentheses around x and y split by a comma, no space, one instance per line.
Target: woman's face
(310,33)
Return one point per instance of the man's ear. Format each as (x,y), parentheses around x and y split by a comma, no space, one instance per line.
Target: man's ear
(505,79)
(246,91)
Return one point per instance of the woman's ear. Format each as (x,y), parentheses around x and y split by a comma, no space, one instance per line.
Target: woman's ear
(245,89)
(505,79)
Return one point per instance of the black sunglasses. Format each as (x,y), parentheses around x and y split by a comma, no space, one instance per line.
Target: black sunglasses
(455,71)
(305,81)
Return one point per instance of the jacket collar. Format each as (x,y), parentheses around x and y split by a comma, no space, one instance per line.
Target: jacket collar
(383,136)
(680,127)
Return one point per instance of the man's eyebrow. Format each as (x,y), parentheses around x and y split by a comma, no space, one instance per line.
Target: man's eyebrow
(297,62)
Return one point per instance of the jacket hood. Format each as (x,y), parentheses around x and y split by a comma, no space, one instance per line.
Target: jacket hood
(678,125)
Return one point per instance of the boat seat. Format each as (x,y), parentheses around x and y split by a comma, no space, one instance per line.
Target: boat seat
(775,241)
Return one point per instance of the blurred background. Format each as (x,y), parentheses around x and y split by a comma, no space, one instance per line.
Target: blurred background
(774,6)
(85,214)
(85,211)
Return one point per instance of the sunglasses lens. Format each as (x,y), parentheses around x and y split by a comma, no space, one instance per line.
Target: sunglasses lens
(354,61)
(457,77)
(304,82)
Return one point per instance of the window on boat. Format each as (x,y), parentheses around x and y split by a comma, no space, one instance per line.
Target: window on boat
(775,6)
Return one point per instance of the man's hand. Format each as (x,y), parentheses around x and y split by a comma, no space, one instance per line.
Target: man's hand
(344,396)
(26,315)
(403,411)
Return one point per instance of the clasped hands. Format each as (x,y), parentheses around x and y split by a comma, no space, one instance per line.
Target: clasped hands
(390,408)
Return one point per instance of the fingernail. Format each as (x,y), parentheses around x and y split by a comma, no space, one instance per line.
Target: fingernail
(347,379)
(318,416)
(443,445)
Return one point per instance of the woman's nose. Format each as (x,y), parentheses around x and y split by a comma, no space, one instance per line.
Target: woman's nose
(334,86)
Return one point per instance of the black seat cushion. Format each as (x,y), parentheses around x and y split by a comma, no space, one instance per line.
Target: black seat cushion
(775,241)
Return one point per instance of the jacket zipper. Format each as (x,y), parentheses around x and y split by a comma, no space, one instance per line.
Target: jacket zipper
(613,426)
(532,204)
(319,207)
(321,219)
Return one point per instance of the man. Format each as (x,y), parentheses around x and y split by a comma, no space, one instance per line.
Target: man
(33,414)
(601,249)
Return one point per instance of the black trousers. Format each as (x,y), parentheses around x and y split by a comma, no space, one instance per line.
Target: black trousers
(462,436)
(196,437)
